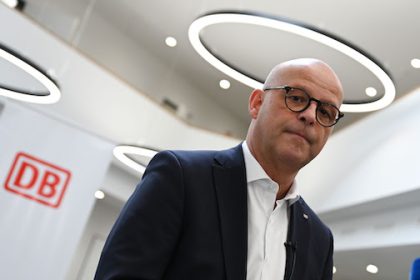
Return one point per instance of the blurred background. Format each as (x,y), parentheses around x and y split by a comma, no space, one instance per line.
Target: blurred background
(129,76)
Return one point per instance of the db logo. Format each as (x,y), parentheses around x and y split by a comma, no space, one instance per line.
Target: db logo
(38,180)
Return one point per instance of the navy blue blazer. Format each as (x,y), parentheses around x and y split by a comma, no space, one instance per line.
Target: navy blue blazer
(187,219)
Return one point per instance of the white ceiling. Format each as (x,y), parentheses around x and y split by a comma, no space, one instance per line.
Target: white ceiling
(394,263)
(384,30)
(387,30)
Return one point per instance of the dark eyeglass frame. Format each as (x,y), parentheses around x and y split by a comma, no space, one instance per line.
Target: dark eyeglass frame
(287,89)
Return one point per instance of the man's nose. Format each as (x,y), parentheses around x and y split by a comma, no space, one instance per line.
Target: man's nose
(309,114)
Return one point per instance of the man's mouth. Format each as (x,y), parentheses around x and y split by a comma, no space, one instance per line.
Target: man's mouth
(300,135)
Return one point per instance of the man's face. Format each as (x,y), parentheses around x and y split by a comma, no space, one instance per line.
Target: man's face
(281,134)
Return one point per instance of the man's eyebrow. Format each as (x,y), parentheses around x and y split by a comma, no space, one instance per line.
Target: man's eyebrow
(332,102)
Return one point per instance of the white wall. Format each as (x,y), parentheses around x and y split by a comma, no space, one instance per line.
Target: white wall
(103,216)
(390,227)
(111,47)
(118,185)
(64,18)
(96,101)
(393,221)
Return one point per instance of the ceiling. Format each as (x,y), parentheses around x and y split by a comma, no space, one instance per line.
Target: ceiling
(394,263)
(385,30)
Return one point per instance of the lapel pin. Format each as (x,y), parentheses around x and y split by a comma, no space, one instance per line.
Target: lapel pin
(305,216)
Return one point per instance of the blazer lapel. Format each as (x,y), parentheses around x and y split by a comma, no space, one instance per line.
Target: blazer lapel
(298,240)
(230,184)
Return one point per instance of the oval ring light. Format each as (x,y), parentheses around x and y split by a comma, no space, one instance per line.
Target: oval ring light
(296,28)
(121,153)
(51,96)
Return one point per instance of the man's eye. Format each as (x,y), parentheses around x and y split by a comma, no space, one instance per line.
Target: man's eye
(325,113)
(297,99)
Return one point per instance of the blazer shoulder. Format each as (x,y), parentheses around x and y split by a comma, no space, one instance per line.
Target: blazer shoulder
(316,220)
(196,158)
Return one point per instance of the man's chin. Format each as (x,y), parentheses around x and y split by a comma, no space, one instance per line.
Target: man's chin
(296,157)
(299,160)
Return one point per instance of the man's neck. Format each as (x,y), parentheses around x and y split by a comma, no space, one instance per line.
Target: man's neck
(279,172)
(282,176)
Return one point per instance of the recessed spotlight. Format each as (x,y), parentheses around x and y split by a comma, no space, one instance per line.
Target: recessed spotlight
(371,91)
(415,62)
(372,269)
(10,3)
(224,84)
(99,194)
(14,4)
(170,41)
(334,269)
(293,27)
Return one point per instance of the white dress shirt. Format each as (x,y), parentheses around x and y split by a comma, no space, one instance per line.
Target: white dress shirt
(267,225)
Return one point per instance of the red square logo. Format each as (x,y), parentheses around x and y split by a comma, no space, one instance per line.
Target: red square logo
(38,180)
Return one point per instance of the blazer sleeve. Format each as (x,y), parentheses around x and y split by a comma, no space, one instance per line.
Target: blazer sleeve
(144,237)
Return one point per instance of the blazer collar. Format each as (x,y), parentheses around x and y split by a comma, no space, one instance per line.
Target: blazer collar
(297,239)
(230,185)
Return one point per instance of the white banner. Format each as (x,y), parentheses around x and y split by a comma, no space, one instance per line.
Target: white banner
(49,172)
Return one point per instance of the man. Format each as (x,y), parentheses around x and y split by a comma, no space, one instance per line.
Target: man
(236,214)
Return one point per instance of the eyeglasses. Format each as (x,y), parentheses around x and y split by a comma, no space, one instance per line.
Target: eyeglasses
(298,100)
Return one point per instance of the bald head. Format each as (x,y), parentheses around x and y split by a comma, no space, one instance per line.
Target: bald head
(307,68)
(283,140)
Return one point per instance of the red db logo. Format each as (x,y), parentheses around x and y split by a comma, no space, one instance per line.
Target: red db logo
(38,180)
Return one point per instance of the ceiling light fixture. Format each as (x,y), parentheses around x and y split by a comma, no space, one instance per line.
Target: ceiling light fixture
(415,62)
(170,41)
(296,28)
(372,269)
(224,84)
(51,96)
(371,91)
(14,4)
(99,194)
(334,269)
(121,153)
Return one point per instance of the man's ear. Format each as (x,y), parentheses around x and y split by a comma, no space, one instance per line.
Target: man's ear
(255,102)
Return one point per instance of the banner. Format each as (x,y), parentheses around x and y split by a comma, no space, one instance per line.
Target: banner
(49,172)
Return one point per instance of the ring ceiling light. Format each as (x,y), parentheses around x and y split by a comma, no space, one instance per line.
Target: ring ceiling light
(51,96)
(298,29)
(121,153)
